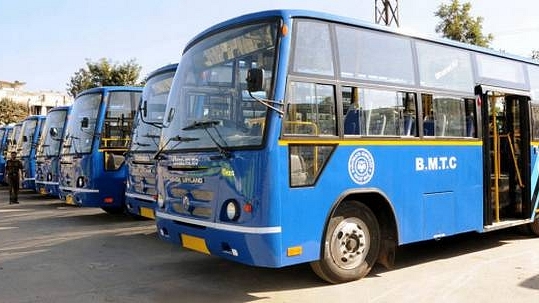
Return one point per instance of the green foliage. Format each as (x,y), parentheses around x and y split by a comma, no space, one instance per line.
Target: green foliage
(11,112)
(103,73)
(457,24)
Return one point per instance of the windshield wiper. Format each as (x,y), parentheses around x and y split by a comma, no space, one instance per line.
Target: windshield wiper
(205,125)
(178,139)
(141,144)
(202,124)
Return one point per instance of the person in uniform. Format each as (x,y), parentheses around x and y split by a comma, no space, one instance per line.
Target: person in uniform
(13,172)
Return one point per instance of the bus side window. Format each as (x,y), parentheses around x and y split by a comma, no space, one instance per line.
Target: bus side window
(351,111)
(448,116)
(310,110)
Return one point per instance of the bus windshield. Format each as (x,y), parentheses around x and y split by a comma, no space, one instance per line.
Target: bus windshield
(209,104)
(28,130)
(81,125)
(146,132)
(49,145)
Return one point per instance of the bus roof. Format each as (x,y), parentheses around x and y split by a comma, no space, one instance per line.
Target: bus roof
(164,69)
(109,88)
(34,117)
(286,14)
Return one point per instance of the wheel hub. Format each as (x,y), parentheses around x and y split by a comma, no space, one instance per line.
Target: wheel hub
(349,243)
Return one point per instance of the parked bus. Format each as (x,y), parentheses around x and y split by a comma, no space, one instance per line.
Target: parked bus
(140,192)
(4,133)
(13,138)
(92,170)
(26,149)
(366,139)
(48,151)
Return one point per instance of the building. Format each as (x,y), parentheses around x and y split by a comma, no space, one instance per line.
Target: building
(38,103)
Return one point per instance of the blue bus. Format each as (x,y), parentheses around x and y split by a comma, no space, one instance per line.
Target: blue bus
(4,134)
(26,148)
(13,138)
(48,151)
(295,136)
(97,134)
(140,194)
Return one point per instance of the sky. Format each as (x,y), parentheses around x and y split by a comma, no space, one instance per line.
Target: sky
(43,43)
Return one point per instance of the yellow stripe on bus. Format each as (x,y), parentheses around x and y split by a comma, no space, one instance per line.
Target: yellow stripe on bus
(385,142)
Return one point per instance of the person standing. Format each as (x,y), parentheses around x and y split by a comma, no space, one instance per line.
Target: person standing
(14,172)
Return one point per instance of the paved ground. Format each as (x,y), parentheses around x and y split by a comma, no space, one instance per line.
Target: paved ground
(50,252)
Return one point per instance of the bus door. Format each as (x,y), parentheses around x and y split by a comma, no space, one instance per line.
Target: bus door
(506,135)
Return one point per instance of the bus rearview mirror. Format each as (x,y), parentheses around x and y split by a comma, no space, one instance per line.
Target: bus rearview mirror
(84,122)
(255,77)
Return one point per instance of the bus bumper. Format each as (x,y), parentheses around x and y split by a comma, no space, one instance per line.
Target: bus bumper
(258,248)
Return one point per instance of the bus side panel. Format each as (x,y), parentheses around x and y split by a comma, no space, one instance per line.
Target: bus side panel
(435,191)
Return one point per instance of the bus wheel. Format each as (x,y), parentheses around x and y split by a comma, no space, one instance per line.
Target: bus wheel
(351,244)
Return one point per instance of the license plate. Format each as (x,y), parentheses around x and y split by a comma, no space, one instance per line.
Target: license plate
(69,200)
(194,243)
(147,212)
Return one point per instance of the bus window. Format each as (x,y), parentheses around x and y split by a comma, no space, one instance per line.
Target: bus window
(446,116)
(444,67)
(312,53)
(373,112)
(310,110)
(118,119)
(361,52)
(306,163)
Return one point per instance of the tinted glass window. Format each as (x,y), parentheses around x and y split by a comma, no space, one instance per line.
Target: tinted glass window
(312,48)
(500,69)
(374,56)
(443,67)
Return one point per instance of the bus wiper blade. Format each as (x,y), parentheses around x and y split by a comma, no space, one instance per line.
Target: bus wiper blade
(184,139)
(178,139)
(151,136)
(141,144)
(202,124)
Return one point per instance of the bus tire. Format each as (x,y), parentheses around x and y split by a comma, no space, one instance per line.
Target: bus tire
(351,244)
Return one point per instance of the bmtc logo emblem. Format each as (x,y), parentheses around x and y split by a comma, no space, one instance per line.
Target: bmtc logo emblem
(361,166)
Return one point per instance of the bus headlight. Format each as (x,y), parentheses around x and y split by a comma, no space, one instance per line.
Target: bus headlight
(232,210)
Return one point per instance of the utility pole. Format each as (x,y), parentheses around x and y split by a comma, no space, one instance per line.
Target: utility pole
(387,12)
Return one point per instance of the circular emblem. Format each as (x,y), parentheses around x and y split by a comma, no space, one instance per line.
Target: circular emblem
(361,166)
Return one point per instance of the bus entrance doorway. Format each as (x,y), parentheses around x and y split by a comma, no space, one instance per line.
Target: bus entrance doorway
(506,141)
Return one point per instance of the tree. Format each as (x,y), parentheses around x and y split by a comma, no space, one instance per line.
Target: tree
(103,73)
(11,112)
(457,24)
